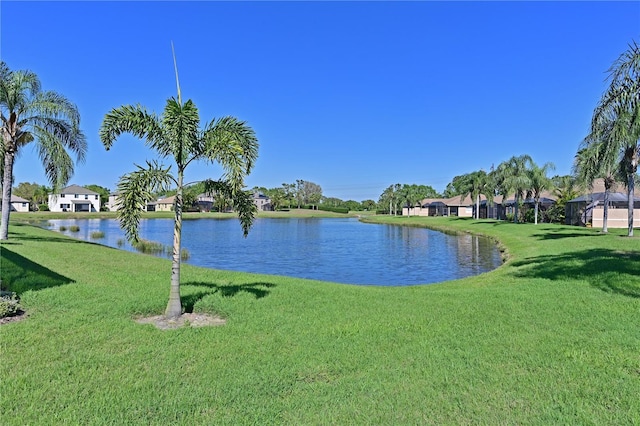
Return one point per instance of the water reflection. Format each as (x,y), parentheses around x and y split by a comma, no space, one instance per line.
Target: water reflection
(338,250)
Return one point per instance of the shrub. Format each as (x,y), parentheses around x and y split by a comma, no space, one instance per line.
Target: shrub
(333,209)
(120,242)
(62,228)
(184,254)
(148,247)
(97,235)
(9,304)
(74,228)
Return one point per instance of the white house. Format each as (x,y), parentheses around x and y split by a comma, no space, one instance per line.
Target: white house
(18,204)
(75,198)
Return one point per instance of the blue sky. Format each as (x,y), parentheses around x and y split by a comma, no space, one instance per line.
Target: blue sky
(354,96)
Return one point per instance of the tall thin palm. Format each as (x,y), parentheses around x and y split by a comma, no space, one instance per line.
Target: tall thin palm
(513,178)
(617,116)
(597,160)
(539,182)
(227,141)
(46,118)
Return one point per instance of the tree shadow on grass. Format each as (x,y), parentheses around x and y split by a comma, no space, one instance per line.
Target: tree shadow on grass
(557,232)
(612,271)
(20,274)
(257,289)
(16,236)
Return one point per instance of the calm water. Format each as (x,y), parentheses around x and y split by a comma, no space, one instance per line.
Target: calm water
(338,250)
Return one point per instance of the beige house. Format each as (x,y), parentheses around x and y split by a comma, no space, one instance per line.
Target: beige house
(114,203)
(165,204)
(455,206)
(262,202)
(588,209)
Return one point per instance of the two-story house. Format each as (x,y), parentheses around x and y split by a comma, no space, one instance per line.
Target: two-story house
(75,198)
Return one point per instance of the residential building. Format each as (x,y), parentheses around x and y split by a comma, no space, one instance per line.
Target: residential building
(114,199)
(18,204)
(74,198)
(588,209)
(262,202)
(204,202)
(165,204)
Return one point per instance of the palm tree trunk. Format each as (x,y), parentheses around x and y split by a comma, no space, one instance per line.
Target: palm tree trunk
(535,213)
(477,206)
(7,181)
(630,190)
(174,306)
(605,213)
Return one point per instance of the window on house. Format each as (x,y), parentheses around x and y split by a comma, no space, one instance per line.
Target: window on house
(86,197)
(75,196)
(61,195)
(96,197)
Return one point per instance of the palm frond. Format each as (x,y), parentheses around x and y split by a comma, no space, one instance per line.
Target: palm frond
(181,126)
(234,145)
(135,190)
(58,165)
(136,121)
(242,201)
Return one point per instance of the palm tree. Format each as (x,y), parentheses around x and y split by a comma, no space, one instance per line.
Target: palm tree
(539,182)
(46,118)
(513,178)
(475,184)
(617,118)
(596,159)
(392,196)
(176,134)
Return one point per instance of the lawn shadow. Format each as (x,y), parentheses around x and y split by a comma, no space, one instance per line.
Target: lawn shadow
(257,289)
(20,274)
(560,233)
(21,236)
(612,271)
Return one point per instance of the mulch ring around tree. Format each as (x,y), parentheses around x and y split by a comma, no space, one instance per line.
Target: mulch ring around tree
(13,318)
(184,320)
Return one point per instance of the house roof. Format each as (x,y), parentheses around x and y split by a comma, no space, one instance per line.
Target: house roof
(168,200)
(16,199)
(599,196)
(596,193)
(76,189)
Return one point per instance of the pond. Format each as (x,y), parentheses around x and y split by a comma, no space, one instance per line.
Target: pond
(338,250)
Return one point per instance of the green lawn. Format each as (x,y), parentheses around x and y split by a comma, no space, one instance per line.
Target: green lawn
(551,337)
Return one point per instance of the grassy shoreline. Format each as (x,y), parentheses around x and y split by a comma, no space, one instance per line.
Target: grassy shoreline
(302,213)
(552,336)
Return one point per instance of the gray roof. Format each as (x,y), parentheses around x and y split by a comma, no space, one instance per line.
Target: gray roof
(599,196)
(75,189)
(16,199)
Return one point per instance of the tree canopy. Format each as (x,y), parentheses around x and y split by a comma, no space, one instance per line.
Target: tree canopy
(47,119)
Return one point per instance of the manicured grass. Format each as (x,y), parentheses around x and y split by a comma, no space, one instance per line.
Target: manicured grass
(552,337)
